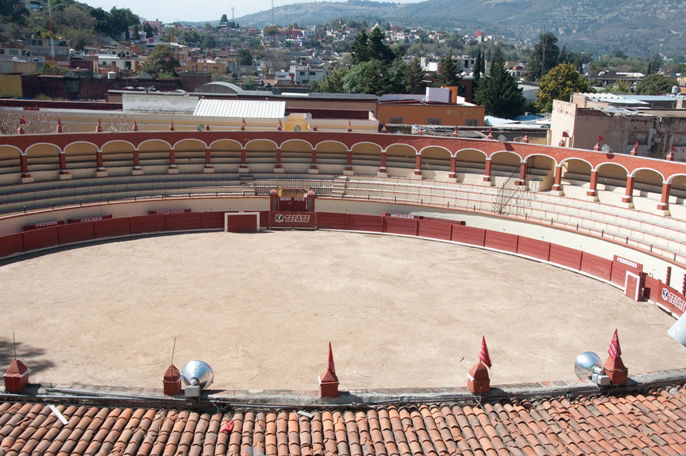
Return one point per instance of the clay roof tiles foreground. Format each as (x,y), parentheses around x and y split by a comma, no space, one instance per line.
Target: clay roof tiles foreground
(648,422)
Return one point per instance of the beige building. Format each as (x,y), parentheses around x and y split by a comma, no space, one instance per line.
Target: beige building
(653,132)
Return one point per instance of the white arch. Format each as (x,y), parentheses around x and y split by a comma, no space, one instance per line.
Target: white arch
(633,173)
(670,178)
(118,141)
(436,147)
(21,152)
(332,141)
(509,152)
(562,162)
(153,140)
(59,150)
(276,146)
(541,155)
(361,143)
(237,142)
(296,140)
(473,149)
(610,163)
(402,144)
(191,139)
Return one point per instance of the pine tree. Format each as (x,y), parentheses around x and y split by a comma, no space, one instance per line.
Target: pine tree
(477,67)
(413,78)
(448,71)
(499,93)
(544,56)
(377,48)
(360,48)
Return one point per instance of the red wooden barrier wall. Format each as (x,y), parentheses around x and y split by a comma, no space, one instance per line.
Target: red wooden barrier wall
(596,266)
(565,256)
(14,243)
(398,225)
(501,241)
(75,232)
(241,223)
(434,229)
(468,234)
(333,220)
(533,248)
(40,238)
(183,221)
(365,222)
(112,227)
(619,268)
(147,223)
(212,220)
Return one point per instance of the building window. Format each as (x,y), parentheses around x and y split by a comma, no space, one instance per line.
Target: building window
(433,121)
(395,120)
(471,122)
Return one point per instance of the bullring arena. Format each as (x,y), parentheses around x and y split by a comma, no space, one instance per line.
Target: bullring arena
(402,251)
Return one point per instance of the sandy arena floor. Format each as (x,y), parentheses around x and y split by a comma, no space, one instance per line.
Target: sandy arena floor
(260,308)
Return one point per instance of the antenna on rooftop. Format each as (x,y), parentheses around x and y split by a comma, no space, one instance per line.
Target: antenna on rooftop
(233,17)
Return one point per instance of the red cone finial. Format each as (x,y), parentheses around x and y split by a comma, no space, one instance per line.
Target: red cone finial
(171,125)
(384,129)
(421,130)
(207,127)
(490,133)
(330,373)
(98,127)
(483,356)
(670,155)
(279,127)
(350,126)
(456,132)
(243,124)
(614,351)
(634,150)
(58,127)
(525,139)
(135,126)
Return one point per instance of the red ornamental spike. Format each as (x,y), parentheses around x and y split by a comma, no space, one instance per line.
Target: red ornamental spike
(98,128)
(614,351)
(58,128)
(526,139)
(421,130)
(243,124)
(484,356)
(456,133)
(207,127)
(279,127)
(670,155)
(135,126)
(330,373)
(490,133)
(634,150)
(383,129)
(171,125)
(350,126)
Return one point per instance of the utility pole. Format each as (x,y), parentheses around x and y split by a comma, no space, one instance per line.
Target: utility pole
(233,17)
(273,23)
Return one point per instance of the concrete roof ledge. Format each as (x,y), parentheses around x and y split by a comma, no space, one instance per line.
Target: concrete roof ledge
(138,397)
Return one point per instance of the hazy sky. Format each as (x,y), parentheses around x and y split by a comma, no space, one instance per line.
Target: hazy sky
(195,10)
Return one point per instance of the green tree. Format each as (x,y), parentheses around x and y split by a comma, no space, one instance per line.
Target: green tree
(360,48)
(544,56)
(377,48)
(161,62)
(224,20)
(368,77)
(499,93)
(12,11)
(149,30)
(559,84)
(333,83)
(413,77)
(656,84)
(449,72)
(478,64)
(244,57)
(120,20)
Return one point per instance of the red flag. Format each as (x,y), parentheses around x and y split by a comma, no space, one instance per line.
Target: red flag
(565,134)
(483,356)
(614,351)
(601,138)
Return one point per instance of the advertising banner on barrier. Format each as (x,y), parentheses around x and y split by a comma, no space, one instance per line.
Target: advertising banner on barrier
(95,218)
(46,224)
(292,219)
(672,299)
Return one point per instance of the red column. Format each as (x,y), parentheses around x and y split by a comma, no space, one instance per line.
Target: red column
(172,158)
(522,173)
(558,178)
(418,165)
(628,196)
(98,160)
(664,201)
(63,163)
(208,158)
(313,159)
(382,164)
(453,166)
(487,171)
(24,162)
(136,159)
(244,158)
(594,183)
(349,160)
(278,158)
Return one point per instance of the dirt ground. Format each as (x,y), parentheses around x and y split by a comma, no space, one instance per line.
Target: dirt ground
(261,308)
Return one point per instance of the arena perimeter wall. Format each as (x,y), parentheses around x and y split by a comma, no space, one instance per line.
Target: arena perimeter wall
(610,271)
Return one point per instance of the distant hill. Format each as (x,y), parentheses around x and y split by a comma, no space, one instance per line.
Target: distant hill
(638,27)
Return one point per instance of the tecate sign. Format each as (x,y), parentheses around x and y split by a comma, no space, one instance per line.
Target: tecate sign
(292,218)
(675,300)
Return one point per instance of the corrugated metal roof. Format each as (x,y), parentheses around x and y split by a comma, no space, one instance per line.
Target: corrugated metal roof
(241,108)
